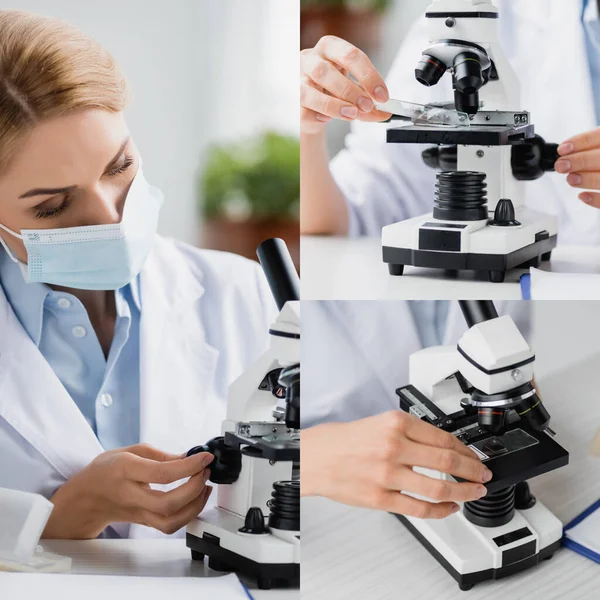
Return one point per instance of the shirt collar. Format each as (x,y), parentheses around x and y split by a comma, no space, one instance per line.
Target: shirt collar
(26,299)
(134,290)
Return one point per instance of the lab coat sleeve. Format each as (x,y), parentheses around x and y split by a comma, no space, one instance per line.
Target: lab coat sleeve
(385,183)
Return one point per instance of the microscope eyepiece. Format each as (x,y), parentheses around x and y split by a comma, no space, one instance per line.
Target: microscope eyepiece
(279,270)
(429,70)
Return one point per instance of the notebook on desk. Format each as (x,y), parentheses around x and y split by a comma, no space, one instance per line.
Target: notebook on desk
(582,534)
(101,587)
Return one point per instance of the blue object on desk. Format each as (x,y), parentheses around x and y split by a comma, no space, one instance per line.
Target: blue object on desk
(247,592)
(583,550)
(526,286)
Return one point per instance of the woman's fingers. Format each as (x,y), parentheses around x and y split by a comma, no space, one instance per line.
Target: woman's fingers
(375,116)
(401,504)
(579,143)
(315,117)
(168,503)
(356,62)
(319,102)
(446,461)
(422,432)
(590,181)
(150,452)
(172,523)
(440,490)
(591,199)
(579,162)
(329,78)
(144,470)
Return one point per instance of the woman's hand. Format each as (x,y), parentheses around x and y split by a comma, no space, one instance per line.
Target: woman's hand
(326,90)
(369,462)
(115,487)
(580,159)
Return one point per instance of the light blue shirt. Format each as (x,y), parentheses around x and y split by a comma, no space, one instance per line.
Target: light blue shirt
(591,26)
(430,318)
(106,390)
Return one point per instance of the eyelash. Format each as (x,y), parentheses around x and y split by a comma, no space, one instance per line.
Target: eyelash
(54,212)
(118,170)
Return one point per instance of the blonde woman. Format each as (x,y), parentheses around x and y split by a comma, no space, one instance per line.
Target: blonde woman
(116,345)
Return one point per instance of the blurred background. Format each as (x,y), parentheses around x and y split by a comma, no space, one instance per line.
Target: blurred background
(378,27)
(215,109)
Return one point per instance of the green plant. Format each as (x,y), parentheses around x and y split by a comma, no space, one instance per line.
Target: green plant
(257,178)
(369,5)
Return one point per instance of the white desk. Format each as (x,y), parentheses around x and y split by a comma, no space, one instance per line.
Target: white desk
(352,269)
(352,553)
(146,558)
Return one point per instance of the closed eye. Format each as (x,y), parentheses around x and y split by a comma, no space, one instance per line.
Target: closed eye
(47,213)
(120,167)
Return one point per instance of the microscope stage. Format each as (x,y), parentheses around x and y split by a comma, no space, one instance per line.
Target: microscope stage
(476,135)
(276,447)
(533,459)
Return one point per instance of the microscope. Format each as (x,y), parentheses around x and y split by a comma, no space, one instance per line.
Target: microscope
(255,528)
(486,148)
(482,392)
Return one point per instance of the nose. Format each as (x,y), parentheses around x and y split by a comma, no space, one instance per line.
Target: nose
(102,206)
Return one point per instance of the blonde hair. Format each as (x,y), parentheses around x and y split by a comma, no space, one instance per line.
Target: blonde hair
(48,69)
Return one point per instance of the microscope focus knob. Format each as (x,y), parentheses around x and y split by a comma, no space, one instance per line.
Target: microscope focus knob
(524,499)
(504,215)
(227,464)
(531,158)
(254,524)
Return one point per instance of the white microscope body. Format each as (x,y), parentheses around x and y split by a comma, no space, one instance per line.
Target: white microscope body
(464,33)
(235,534)
(504,532)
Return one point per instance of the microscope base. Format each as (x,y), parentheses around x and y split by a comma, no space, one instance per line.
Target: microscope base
(473,554)
(470,246)
(269,560)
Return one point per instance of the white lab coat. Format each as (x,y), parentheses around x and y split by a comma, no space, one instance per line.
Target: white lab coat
(545,42)
(355,354)
(205,318)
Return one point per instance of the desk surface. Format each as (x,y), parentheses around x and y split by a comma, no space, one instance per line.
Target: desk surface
(352,269)
(145,558)
(353,553)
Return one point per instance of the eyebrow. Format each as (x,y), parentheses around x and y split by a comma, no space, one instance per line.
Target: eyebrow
(64,190)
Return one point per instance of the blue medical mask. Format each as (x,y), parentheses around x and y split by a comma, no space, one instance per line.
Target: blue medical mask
(96,257)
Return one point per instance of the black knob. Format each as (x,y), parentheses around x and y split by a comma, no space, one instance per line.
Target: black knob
(198,450)
(524,499)
(254,523)
(227,464)
(549,156)
(504,215)
(531,158)
(441,157)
